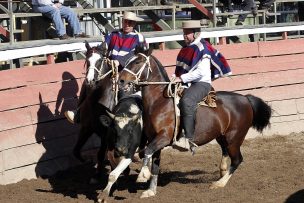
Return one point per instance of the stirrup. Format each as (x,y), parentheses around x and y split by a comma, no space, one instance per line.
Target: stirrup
(181,144)
(193,147)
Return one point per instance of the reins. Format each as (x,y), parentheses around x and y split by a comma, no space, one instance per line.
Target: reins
(170,94)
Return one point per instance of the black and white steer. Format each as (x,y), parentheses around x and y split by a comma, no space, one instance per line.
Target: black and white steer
(126,125)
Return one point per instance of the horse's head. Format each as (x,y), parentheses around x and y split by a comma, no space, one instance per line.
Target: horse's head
(94,61)
(137,69)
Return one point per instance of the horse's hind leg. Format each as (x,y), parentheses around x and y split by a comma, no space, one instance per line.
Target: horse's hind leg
(225,156)
(236,159)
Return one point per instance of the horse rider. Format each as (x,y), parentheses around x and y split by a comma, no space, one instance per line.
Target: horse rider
(196,65)
(121,46)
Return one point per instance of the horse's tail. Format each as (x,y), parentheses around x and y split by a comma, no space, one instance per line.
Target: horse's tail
(261,113)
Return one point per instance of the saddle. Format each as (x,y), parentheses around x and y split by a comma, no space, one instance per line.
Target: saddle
(209,100)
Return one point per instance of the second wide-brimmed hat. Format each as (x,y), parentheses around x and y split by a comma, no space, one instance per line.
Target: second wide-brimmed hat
(191,24)
(131,16)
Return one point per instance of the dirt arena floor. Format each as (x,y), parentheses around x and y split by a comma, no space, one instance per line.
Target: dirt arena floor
(272,171)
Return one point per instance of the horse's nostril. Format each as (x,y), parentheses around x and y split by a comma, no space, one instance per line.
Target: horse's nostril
(121,82)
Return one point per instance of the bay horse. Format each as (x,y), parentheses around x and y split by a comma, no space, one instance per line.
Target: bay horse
(98,98)
(228,123)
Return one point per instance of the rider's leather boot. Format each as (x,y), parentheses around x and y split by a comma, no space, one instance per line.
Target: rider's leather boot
(185,143)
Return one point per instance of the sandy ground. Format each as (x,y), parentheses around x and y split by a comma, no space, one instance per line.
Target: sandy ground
(272,171)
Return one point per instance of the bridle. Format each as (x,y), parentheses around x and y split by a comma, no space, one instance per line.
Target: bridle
(101,75)
(140,71)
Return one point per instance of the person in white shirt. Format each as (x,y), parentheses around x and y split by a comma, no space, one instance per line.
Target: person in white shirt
(193,68)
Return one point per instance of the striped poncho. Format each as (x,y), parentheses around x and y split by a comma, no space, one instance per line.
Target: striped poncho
(122,46)
(189,57)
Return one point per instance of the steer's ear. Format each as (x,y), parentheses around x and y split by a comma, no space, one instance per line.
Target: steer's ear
(105,120)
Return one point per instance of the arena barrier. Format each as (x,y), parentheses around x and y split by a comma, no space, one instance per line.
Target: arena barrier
(36,140)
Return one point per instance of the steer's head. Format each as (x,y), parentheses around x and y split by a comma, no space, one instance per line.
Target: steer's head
(127,125)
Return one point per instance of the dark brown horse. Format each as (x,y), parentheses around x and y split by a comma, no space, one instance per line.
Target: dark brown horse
(228,123)
(98,97)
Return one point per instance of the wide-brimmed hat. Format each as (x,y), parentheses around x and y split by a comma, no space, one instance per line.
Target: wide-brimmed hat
(131,16)
(192,24)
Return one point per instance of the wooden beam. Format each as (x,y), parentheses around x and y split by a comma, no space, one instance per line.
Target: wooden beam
(201,8)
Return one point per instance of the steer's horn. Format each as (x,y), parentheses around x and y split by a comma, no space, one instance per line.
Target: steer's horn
(111,115)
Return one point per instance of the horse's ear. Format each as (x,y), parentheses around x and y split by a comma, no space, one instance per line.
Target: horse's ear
(142,49)
(87,45)
(149,51)
(103,48)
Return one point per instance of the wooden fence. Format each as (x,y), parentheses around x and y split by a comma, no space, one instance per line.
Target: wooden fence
(36,140)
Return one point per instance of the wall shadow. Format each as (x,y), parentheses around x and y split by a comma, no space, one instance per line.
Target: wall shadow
(71,88)
(58,137)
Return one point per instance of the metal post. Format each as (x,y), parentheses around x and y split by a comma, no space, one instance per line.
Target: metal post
(264,22)
(275,11)
(173,17)
(214,13)
(12,20)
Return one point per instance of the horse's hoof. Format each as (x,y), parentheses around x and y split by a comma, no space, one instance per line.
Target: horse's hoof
(215,185)
(144,175)
(148,193)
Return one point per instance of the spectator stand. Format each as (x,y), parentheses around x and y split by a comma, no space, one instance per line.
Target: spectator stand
(100,16)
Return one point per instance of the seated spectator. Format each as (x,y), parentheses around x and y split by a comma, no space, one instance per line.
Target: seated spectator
(55,10)
(228,4)
(246,5)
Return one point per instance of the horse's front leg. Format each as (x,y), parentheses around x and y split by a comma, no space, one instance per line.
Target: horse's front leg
(155,171)
(153,150)
(157,144)
(84,134)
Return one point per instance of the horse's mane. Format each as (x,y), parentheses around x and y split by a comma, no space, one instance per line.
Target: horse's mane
(142,50)
(161,69)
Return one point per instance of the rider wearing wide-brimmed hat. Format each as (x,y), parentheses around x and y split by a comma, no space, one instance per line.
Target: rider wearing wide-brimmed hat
(121,46)
(193,67)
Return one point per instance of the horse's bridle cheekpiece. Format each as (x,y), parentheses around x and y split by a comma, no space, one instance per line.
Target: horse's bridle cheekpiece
(139,73)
